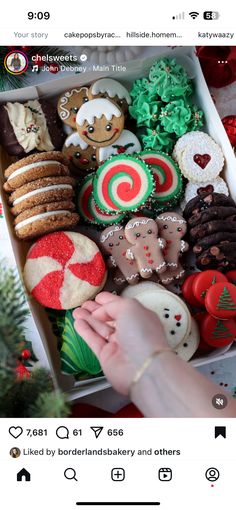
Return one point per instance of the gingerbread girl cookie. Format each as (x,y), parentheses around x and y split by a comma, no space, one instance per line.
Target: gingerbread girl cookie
(69,104)
(172,227)
(99,122)
(146,249)
(114,243)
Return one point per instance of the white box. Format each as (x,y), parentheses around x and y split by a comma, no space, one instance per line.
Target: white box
(136,69)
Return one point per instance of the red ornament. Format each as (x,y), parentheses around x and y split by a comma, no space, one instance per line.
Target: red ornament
(25,48)
(26,354)
(229,124)
(22,372)
(218,64)
(54,68)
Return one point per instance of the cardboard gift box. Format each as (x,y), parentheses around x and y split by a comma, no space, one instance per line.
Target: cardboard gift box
(136,69)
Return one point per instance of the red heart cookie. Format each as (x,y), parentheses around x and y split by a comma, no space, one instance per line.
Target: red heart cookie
(202,160)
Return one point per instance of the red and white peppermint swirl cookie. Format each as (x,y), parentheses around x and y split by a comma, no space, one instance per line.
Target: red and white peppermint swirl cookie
(202,161)
(63,270)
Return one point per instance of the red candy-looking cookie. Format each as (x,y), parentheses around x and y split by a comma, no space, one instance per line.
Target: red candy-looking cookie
(204,281)
(221,300)
(216,332)
(63,270)
(231,275)
(187,291)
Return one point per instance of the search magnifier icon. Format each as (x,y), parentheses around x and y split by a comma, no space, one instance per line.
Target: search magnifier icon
(70,474)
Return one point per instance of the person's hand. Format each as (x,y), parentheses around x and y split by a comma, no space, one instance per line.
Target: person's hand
(122,333)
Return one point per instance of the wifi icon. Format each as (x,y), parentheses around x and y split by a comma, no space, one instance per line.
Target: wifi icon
(194,14)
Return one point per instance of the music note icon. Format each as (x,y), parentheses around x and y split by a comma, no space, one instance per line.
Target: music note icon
(35,68)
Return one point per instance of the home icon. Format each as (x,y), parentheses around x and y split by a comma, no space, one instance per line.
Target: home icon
(23,475)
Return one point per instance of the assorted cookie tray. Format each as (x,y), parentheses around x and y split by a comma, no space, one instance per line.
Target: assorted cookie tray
(123,182)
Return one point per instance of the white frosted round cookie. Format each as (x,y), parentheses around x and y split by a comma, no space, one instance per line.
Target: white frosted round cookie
(172,312)
(187,348)
(202,160)
(185,140)
(131,291)
(191,190)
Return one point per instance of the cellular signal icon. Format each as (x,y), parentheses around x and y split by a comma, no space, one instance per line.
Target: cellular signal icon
(181,15)
(194,14)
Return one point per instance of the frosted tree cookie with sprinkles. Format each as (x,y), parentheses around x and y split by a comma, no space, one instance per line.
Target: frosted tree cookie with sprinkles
(63,270)
(146,247)
(88,208)
(79,153)
(114,243)
(69,104)
(171,79)
(111,89)
(167,176)
(36,166)
(202,161)
(122,183)
(100,122)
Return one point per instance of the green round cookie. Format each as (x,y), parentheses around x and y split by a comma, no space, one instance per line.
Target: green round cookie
(122,183)
(76,356)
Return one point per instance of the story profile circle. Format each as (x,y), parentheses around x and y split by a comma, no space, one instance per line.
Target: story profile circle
(16,62)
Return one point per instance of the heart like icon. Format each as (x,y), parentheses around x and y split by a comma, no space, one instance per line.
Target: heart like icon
(15,431)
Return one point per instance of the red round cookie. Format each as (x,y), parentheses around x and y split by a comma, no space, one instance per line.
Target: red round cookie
(187,291)
(203,348)
(63,270)
(203,282)
(231,275)
(216,332)
(220,300)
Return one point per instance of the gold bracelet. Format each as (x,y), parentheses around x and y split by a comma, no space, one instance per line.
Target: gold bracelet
(145,366)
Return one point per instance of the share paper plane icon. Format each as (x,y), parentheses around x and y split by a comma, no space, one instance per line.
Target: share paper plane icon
(97,431)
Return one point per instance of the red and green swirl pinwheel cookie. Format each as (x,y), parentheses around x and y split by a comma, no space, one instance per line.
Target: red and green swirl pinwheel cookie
(123,183)
(167,176)
(88,208)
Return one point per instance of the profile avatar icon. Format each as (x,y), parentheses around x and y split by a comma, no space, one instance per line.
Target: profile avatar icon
(15,453)
(16,62)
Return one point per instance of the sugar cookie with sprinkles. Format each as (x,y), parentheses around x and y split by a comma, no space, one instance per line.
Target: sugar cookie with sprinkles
(63,270)
(202,160)
(88,208)
(167,176)
(123,183)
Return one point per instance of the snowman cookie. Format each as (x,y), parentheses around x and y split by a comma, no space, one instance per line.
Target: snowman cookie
(187,348)
(127,143)
(114,243)
(79,153)
(172,228)
(172,312)
(113,90)
(100,122)
(69,104)
(147,248)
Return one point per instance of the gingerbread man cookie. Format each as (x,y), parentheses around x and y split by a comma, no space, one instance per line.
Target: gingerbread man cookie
(100,122)
(114,243)
(172,227)
(146,249)
(69,104)
(79,153)
(113,90)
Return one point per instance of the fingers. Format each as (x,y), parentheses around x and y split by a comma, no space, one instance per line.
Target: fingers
(107,297)
(102,328)
(91,306)
(93,339)
(110,306)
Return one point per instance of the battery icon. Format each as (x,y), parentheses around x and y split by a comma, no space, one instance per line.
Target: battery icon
(211,15)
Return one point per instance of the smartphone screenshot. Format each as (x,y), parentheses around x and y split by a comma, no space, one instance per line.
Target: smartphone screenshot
(117,256)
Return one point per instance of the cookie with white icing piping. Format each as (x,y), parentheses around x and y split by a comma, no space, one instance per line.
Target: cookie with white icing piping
(187,348)
(111,89)
(127,143)
(100,122)
(69,104)
(29,127)
(114,244)
(36,166)
(172,312)
(79,153)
